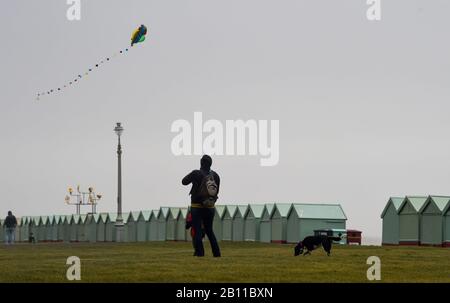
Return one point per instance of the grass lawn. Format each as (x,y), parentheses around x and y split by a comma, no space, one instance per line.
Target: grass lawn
(241,262)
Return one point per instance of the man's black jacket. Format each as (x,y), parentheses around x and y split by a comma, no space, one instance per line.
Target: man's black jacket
(10,222)
(195,177)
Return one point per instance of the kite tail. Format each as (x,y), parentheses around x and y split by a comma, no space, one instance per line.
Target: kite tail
(137,37)
(77,79)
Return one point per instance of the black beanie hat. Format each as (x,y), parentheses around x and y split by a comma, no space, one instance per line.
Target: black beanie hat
(206,161)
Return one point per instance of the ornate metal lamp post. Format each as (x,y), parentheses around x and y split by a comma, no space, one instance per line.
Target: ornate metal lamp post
(119,221)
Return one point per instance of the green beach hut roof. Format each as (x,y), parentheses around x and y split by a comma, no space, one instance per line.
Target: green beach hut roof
(163,211)
(37,220)
(145,214)
(173,211)
(395,201)
(220,209)
(96,218)
(125,217)
(417,202)
(269,207)
(76,219)
(83,218)
(44,220)
(231,210)
(112,217)
(283,209)
(51,220)
(256,209)
(441,202)
(65,219)
(57,219)
(133,215)
(155,213)
(319,211)
(69,218)
(183,213)
(104,217)
(22,221)
(136,214)
(242,209)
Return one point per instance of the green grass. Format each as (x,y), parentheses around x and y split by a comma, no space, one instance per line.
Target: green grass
(241,262)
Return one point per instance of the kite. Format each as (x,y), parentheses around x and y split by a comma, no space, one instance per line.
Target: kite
(138,36)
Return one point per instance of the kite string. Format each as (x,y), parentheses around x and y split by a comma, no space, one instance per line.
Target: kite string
(73,82)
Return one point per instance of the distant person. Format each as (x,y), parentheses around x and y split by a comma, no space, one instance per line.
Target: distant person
(204,193)
(10,226)
(31,238)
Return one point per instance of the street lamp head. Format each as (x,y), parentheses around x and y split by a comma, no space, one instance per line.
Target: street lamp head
(118,129)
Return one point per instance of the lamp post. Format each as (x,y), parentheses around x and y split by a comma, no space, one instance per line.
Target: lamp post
(119,220)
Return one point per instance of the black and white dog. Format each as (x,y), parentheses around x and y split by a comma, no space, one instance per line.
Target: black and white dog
(313,242)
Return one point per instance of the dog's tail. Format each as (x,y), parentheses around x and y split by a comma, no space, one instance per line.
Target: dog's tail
(335,238)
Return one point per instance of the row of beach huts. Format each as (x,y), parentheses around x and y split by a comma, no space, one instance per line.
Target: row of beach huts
(417,220)
(273,222)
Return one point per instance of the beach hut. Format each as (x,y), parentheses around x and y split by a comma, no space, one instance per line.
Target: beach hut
(131,226)
(91,227)
(391,221)
(2,230)
(265,228)
(153,226)
(227,222)
(110,231)
(217,223)
(42,229)
(162,223)
(30,223)
(17,234)
(252,221)
(304,219)
(101,227)
(409,219)
(29,229)
(22,223)
(432,222)
(51,229)
(47,224)
(34,227)
(82,229)
(67,227)
(238,223)
(181,233)
(279,222)
(60,228)
(446,226)
(54,228)
(24,229)
(74,222)
(171,223)
(125,217)
(47,228)
(142,225)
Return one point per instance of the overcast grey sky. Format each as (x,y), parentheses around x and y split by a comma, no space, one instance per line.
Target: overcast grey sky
(363,106)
